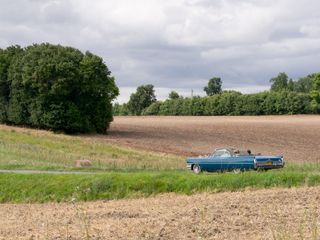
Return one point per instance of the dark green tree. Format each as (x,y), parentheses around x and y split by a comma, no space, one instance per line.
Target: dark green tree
(173,95)
(153,109)
(291,84)
(7,56)
(304,84)
(61,89)
(141,99)
(315,94)
(279,82)
(214,86)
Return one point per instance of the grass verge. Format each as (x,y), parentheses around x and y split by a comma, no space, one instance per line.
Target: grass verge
(20,188)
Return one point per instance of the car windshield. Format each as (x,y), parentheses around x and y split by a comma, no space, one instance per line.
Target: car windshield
(222,153)
(229,152)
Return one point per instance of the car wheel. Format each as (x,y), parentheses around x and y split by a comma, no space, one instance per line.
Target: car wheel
(196,169)
(237,170)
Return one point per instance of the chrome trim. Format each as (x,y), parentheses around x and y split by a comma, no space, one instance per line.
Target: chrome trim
(254,163)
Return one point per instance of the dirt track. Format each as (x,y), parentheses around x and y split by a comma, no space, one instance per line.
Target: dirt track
(238,215)
(297,137)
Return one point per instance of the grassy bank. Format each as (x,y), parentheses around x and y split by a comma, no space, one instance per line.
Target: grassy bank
(43,188)
(42,150)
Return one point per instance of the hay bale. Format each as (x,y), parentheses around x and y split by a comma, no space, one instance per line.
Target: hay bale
(83,163)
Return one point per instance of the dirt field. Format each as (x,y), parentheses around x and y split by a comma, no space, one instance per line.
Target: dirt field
(296,137)
(262,214)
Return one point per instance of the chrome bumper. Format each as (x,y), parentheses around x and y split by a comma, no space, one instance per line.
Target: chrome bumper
(269,166)
(189,165)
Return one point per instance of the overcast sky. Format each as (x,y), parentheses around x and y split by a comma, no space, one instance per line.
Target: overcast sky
(176,44)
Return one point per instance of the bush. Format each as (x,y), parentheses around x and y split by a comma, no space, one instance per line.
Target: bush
(57,88)
(153,109)
(235,103)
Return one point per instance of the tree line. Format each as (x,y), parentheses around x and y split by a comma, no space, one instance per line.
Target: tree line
(286,96)
(54,87)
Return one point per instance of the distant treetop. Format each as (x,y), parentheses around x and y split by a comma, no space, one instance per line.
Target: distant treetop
(214,86)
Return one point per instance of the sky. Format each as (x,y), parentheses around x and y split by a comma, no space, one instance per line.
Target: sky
(176,44)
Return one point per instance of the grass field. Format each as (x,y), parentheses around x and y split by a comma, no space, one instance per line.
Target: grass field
(44,187)
(41,150)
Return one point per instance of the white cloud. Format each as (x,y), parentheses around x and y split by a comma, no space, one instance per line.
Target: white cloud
(311,30)
(176,44)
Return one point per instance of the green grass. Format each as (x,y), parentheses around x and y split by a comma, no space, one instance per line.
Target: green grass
(116,185)
(41,150)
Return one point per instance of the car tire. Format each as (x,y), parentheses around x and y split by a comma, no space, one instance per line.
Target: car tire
(196,169)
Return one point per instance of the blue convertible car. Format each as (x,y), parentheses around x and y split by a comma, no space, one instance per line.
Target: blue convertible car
(232,159)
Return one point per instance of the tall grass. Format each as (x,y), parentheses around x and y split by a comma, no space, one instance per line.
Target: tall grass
(31,149)
(113,185)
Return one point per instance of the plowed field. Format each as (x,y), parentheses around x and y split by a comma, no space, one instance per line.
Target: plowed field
(261,214)
(296,137)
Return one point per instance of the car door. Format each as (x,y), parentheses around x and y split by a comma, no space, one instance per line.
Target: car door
(215,163)
(210,163)
(235,162)
(224,156)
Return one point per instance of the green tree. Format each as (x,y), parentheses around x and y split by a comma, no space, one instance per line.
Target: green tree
(279,82)
(291,84)
(214,86)
(315,94)
(304,84)
(141,99)
(61,89)
(316,82)
(153,109)
(173,95)
(7,56)
(120,109)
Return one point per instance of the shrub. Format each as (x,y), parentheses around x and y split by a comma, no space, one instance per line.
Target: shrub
(153,109)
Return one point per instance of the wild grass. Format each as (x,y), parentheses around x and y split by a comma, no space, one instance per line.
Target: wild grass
(116,185)
(41,150)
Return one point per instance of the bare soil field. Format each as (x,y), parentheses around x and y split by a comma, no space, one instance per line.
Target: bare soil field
(262,214)
(296,137)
